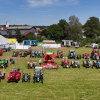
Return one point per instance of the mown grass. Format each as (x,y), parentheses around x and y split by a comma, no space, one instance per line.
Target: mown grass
(61,84)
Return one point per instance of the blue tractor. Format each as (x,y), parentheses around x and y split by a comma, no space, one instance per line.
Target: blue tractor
(38,75)
(96,63)
(71,54)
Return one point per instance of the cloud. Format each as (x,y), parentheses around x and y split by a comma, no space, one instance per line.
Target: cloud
(38,3)
(72,2)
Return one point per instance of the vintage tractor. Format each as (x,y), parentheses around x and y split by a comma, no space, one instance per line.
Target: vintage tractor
(65,63)
(30,64)
(14,75)
(38,75)
(79,56)
(96,64)
(49,61)
(23,54)
(71,54)
(15,53)
(75,64)
(86,55)
(41,54)
(11,61)
(87,63)
(4,63)
(1,52)
(60,52)
(2,74)
(95,55)
(26,77)
(32,54)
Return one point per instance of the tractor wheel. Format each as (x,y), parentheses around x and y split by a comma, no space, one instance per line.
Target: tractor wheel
(5,66)
(78,66)
(8,80)
(17,81)
(4,76)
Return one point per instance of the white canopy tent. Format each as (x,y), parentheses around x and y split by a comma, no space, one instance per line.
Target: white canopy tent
(4,41)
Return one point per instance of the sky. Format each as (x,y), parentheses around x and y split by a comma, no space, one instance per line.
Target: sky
(46,12)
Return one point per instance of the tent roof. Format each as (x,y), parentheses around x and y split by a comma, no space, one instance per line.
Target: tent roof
(3,40)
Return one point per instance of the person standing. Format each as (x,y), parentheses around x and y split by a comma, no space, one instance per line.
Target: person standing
(40,62)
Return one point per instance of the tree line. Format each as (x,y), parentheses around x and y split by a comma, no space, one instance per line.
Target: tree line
(64,30)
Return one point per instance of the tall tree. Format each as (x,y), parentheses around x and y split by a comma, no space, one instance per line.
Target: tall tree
(74,28)
(54,31)
(18,35)
(92,27)
(9,32)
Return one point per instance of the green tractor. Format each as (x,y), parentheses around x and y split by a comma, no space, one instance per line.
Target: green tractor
(4,63)
(15,53)
(23,54)
(60,54)
(26,77)
(32,54)
(41,54)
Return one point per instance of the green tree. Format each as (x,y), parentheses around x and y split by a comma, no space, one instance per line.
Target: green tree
(54,31)
(9,32)
(62,23)
(30,36)
(18,35)
(74,28)
(92,27)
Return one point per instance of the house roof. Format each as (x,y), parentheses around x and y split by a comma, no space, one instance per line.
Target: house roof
(48,40)
(38,35)
(26,33)
(21,27)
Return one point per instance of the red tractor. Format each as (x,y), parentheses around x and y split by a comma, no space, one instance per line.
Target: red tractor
(49,61)
(1,52)
(95,55)
(14,75)
(86,55)
(65,63)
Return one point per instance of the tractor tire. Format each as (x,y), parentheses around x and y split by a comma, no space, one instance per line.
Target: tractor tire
(17,81)
(78,66)
(8,80)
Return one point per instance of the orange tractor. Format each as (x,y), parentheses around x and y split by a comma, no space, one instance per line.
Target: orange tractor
(49,61)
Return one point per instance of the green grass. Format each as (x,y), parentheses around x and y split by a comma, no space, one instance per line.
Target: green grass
(61,84)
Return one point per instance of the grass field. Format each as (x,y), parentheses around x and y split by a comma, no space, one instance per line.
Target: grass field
(61,84)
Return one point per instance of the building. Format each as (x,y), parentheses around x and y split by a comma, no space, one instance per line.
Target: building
(23,29)
(49,42)
(67,42)
(83,30)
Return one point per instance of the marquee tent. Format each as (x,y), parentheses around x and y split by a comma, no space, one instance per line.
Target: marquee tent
(4,41)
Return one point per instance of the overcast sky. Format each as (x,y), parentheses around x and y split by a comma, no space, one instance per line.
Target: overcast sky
(46,12)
